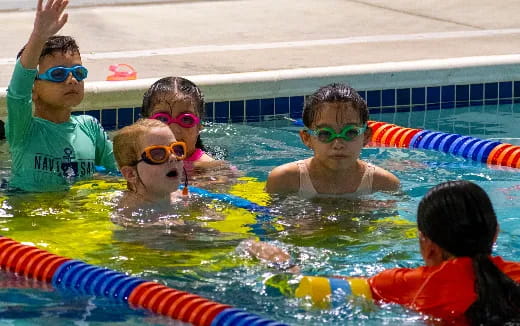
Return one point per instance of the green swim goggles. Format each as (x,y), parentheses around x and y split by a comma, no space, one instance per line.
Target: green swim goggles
(327,134)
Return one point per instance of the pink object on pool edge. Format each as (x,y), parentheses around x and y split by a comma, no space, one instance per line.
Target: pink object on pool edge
(122,71)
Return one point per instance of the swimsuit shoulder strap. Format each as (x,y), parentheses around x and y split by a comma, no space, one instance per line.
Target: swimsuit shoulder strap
(365,186)
(306,188)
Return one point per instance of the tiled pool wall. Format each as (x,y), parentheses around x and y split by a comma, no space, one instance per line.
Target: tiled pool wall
(436,86)
(389,100)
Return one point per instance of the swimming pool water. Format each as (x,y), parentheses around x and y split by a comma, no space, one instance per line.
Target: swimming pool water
(326,237)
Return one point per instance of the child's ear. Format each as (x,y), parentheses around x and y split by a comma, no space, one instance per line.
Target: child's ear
(431,252)
(306,138)
(130,174)
(367,136)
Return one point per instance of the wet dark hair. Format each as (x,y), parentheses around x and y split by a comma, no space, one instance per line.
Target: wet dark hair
(56,43)
(183,89)
(331,93)
(459,217)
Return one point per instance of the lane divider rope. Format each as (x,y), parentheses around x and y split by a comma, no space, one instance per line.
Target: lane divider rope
(85,279)
(489,151)
(486,151)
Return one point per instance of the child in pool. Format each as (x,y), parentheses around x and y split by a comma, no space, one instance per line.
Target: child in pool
(179,103)
(461,281)
(150,159)
(51,149)
(335,117)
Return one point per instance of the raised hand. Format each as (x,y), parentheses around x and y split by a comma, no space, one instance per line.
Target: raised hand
(49,19)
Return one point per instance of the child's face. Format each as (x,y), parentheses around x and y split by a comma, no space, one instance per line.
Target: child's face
(171,105)
(66,94)
(339,151)
(160,179)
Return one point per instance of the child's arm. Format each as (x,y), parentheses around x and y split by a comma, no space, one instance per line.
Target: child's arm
(105,151)
(321,290)
(19,92)
(385,181)
(273,255)
(48,21)
(216,175)
(283,179)
(104,146)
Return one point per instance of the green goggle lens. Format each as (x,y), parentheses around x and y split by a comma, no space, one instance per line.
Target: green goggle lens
(349,132)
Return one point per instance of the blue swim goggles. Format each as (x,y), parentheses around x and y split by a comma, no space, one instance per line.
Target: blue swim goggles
(60,74)
(327,134)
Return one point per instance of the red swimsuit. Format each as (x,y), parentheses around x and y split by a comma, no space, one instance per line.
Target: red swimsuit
(445,291)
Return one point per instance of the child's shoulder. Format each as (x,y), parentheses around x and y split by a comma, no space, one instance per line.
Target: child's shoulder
(206,158)
(288,169)
(86,121)
(383,180)
(284,178)
(83,118)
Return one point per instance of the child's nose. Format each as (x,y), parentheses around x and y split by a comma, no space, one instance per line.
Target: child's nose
(176,128)
(173,157)
(338,142)
(71,79)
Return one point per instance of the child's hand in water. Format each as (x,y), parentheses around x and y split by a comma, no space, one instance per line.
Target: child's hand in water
(273,255)
(213,172)
(212,166)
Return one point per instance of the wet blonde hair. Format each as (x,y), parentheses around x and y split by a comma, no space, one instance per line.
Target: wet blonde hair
(127,141)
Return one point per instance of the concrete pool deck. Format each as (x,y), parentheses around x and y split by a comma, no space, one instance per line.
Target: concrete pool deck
(219,37)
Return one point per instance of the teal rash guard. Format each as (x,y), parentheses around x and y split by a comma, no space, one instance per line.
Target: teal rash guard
(48,156)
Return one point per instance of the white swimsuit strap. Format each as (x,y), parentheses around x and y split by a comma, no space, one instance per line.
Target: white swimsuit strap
(306,188)
(365,186)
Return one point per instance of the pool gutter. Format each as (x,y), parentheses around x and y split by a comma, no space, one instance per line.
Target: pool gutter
(294,82)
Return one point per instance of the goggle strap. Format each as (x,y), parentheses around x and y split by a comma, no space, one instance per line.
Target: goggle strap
(185,189)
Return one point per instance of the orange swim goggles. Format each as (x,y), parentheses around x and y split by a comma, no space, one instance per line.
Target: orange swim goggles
(158,154)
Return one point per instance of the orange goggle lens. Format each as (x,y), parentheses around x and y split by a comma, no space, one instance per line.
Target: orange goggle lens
(158,154)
